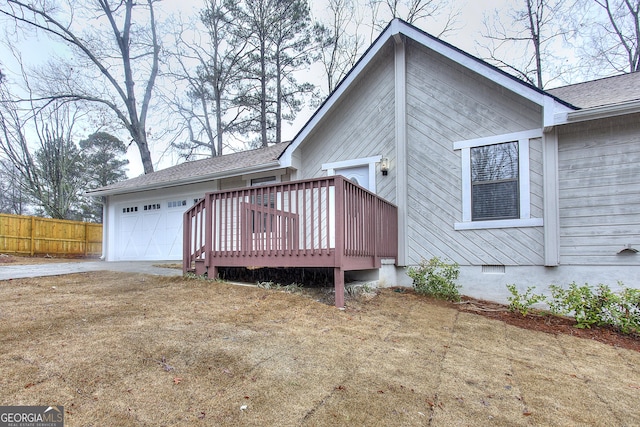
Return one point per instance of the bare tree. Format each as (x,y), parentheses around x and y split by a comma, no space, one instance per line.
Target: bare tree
(339,43)
(115,51)
(418,12)
(50,168)
(523,46)
(210,68)
(612,35)
(13,198)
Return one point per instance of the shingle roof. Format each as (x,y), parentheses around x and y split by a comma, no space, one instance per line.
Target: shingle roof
(601,92)
(198,170)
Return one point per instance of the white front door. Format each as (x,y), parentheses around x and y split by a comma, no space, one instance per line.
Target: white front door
(356,174)
(360,171)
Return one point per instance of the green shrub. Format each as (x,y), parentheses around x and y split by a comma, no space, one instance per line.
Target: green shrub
(436,278)
(625,311)
(522,302)
(598,307)
(577,301)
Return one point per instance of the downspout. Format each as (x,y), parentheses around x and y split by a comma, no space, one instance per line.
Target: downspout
(401,146)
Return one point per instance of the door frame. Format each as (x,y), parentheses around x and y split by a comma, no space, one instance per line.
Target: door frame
(370,162)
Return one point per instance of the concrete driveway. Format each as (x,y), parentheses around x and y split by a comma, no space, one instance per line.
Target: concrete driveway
(8,272)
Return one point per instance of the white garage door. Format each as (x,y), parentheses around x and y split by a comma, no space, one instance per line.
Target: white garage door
(150,230)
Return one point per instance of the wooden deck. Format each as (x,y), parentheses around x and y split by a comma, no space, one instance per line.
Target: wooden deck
(325,222)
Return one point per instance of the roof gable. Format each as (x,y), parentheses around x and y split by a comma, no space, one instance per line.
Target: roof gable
(396,30)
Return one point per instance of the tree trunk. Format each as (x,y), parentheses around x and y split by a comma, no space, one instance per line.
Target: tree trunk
(278,100)
(263,94)
(145,154)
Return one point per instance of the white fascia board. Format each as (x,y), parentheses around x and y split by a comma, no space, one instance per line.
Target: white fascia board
(552,110)
(594,113)
(187,181)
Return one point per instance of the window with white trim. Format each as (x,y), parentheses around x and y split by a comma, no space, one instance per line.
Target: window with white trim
(496,189)
(494,182)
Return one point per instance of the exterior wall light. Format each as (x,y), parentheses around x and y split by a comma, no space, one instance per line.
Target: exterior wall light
(384,165)
(628,250)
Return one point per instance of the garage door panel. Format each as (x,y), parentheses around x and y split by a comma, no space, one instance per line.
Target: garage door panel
(127,244)
(174,234)
(152,230)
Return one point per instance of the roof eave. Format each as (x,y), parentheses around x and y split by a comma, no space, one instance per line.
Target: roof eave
(187,181)
(601,112)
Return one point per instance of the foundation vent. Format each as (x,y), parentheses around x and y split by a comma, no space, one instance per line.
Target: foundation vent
(493,269)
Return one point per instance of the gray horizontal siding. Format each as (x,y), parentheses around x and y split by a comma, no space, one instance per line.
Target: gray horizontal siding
(599,179)
(459,104)
(447,103)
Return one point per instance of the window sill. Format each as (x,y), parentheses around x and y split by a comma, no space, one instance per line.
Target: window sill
(503,223)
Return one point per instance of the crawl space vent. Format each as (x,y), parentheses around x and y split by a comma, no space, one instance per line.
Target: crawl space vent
(493,269)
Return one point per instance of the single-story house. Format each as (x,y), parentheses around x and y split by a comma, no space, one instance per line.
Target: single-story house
(515,184)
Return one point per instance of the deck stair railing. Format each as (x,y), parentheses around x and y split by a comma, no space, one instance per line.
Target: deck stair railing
(324,222)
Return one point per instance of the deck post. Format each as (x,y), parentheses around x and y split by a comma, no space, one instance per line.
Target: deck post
(338,280)
(186,242)
(212,272)
(208,230)
(338,273)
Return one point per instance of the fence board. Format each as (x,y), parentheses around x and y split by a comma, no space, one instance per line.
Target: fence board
(28,235)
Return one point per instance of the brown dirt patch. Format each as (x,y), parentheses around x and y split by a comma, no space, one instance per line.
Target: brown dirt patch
(130,349)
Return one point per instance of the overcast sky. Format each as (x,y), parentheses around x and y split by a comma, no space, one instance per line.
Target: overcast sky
(469,25)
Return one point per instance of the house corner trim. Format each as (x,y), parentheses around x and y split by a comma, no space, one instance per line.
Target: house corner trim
(401,146)
(551,199)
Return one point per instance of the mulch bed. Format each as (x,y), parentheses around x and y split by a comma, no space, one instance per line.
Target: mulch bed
(545,322)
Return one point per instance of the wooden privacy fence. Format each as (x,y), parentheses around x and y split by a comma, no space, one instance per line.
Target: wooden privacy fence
(29,235)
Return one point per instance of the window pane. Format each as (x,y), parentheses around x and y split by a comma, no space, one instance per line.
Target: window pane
(494,162)
(495,200)
(494,181)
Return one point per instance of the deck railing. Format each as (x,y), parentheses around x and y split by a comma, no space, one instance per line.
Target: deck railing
(324,222)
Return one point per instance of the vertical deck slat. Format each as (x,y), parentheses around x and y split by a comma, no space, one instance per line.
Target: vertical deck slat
(312,218)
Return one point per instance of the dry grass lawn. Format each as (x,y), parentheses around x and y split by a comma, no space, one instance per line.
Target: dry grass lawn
(121,350)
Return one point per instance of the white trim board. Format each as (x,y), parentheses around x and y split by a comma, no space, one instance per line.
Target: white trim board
(498,139)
